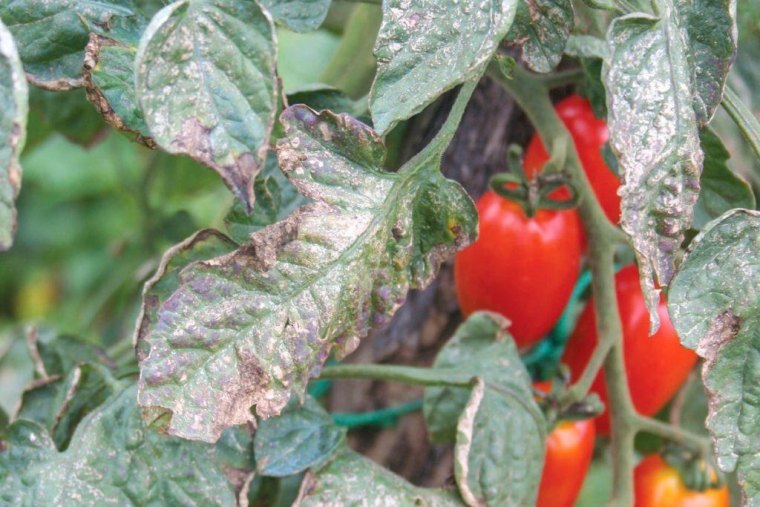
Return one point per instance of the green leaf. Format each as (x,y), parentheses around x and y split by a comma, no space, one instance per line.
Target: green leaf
(14,102)
(301,437)
(52,35)
(298,15)
(714,302)
(320,97)
(426,47)
(206,84)
(68,113)
(112,459)
(59,404)
(501,432)
(542,28)
(586,46)
(479,347)
(721,190)
(658,95)
(276,199)
(252,327)
(109,81)
(352,479)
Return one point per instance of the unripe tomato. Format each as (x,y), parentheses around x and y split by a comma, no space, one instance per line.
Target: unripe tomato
(524,268)
(589,135)
(657,484)
(569,449)
(656,366)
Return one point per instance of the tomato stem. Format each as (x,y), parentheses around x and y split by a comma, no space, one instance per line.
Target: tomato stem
(428,377)
(675,434)
(743,117)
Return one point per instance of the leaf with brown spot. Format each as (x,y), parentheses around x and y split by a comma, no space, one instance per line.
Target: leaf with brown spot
(206,84)
(664,77)
(352,479)
(250,328)
(714,303)
(14,104)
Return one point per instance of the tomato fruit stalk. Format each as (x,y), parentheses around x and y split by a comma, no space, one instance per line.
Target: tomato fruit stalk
(656,366)
(524,268)
(589,136)
(657,484)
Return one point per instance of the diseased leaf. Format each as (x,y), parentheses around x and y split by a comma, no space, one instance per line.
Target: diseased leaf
(252,327)
(303,436)
(109,81)
(478,348)
(202,245)
(721,190)
(206,84)
(352,479)
(500,434)
(298,15)
(426,47)
(714,303)
(14,103)
(112,459)
(52,35)
(276,199)
(654,129)
(542,28)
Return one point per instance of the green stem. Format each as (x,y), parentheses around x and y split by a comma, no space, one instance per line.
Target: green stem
(680,436)
(561,78)
(743,117)
(352,67)
(427,377)
(603,237)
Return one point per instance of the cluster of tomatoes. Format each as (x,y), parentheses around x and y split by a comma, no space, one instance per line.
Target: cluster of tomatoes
(526,267)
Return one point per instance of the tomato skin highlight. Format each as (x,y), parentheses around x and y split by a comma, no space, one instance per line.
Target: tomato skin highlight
(657,484)
(524,268)
(589,134)
(656,366)
(569,450)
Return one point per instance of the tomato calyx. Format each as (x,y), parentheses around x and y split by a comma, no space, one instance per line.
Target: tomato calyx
(537,192)
(697,473)
(550,396)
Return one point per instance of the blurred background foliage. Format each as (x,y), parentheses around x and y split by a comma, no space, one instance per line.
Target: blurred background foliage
(97,210)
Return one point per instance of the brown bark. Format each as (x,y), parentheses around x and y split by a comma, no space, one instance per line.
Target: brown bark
(429,317)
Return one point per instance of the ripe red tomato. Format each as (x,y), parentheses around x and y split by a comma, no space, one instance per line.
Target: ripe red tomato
(657,484)
(589,135)
(569,449)
(656,366)
(524,268)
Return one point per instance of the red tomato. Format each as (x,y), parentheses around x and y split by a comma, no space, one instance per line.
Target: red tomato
(656,366)
(589,135)
(657,484)
(569,449)
(524,268)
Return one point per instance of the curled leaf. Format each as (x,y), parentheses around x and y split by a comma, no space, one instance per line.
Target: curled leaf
(14,104)
(250,328)
(206,84)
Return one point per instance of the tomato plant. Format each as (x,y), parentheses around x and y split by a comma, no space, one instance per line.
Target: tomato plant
(522,248)
(659,485)
(589,135)
(231,206)
(653,379)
